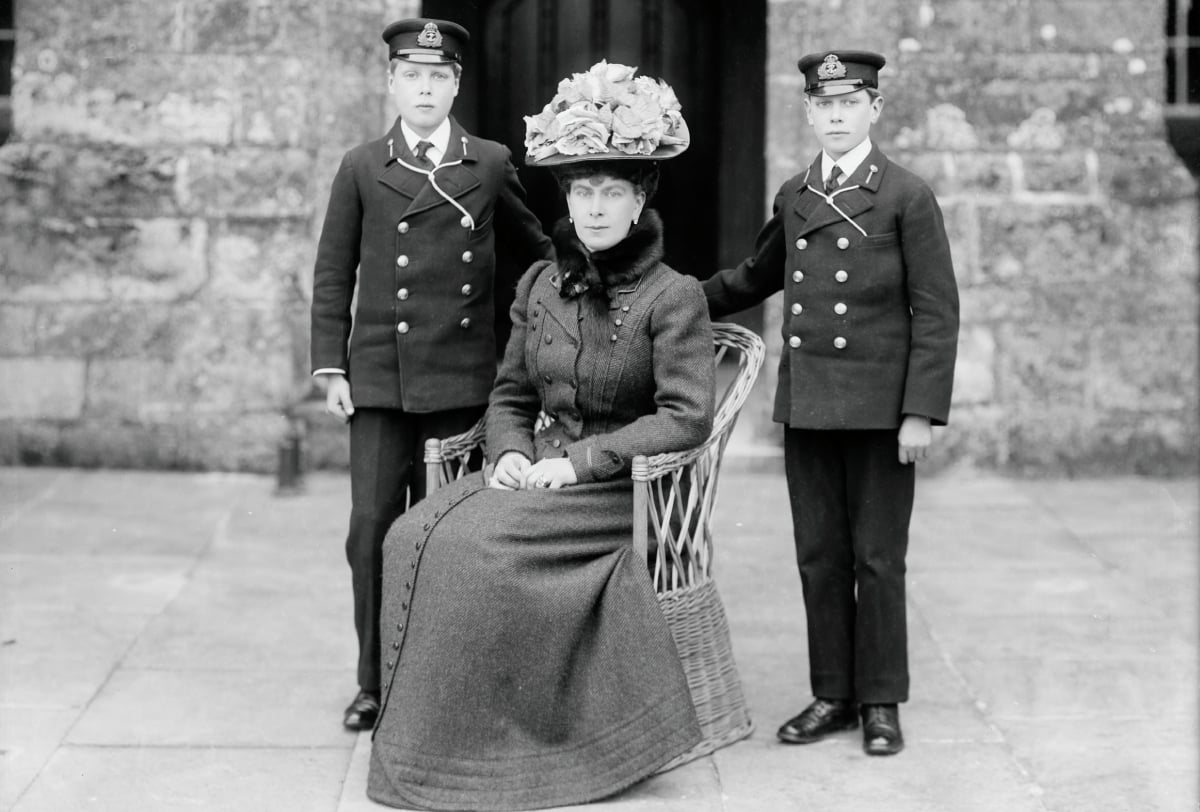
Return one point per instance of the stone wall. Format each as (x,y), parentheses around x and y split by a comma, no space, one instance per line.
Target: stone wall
(161,197)
(158,206)
(1073,224)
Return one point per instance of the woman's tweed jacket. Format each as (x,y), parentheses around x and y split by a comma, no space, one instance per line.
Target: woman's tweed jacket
(527,663)
(636,380)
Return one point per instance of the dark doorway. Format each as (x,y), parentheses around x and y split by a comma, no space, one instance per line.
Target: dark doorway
(713,54)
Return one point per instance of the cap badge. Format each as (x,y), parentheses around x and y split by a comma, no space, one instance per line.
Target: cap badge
(831,68)
(430,37)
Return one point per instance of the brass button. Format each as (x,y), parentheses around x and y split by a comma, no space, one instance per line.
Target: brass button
(797,276)
(797,309)
(625,308)
(557,443)
(794,342)
(396,646)
(618,322)
(840,309)
(843,243)
(466,290)
(390,665)
(614,337)
(465,323)
(402,294)
(549,338)
(802,243)
(840,343)
(841,276)
(402,261)
(402,227)
(465,221)
(402,327)
(468,256)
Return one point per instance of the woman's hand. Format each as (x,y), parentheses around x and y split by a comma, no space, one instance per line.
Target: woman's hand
(914,438)
(509,474)
(554,473)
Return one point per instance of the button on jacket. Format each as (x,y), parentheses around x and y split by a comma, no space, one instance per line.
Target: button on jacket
(424,327)
(870,320)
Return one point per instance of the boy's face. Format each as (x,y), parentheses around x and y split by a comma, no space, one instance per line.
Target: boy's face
(423,92)
(842,122)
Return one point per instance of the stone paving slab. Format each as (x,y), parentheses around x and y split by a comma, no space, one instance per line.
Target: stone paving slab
(200,656)
(186,779)
(264,707)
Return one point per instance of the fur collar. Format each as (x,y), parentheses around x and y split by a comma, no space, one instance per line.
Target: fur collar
(581,271)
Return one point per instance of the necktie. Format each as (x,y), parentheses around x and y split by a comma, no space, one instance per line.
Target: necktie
(831,182)
(422,160)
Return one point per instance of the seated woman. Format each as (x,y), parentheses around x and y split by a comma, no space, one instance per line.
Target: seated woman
(526,661)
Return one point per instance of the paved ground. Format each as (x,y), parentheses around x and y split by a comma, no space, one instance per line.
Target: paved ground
(183,642)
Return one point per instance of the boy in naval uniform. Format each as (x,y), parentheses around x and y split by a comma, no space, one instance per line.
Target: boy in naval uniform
(410,234)
(870,328)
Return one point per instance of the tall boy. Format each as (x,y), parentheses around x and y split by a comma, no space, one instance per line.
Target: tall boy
(410,230)
(870,331)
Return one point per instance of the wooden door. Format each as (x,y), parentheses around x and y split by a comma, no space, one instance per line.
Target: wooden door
(712,54)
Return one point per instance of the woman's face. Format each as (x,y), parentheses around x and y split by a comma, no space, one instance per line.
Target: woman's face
(603,209)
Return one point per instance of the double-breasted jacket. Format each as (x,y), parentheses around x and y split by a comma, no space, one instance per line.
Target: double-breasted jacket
(422,271)
(628,373)
(870,318)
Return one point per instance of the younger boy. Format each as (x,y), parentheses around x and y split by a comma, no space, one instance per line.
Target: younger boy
(870,332)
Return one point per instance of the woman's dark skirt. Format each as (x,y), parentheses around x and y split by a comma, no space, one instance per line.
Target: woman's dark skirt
(526,661)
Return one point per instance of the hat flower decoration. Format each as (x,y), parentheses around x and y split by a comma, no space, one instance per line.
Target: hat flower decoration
(606,114)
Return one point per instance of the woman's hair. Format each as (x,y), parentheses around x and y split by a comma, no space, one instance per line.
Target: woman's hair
(642,174)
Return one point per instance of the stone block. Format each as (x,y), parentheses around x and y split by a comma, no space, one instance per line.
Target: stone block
(42,388)
(1025,244)
(1094,25)
(155,445)
(1059,440)
(1064,172)
(1146,368)
(251,182)
(91,259)
(126,390)
(974,373)
(260,261)
(233,358)
(18,332)
(1044,366)
(106,330)
(1147,177)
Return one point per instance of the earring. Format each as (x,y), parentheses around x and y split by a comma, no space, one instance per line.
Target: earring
(635,221)
(570,219)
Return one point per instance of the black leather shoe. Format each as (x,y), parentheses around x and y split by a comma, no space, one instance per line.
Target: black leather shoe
(818,720)
(881,730)
(362,712)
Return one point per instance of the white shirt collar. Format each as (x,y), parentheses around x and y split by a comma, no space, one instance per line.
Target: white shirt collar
(848,162)
(439,138)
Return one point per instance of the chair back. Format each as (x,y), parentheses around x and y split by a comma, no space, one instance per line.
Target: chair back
(675,494)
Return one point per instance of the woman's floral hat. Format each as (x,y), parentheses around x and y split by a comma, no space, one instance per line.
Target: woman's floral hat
(607,114)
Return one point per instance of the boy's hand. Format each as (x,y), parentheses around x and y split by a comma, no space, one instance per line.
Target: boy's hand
(915,438)
(509,473)
(337,396)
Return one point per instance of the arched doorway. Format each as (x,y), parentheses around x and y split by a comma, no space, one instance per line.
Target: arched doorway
(711,198)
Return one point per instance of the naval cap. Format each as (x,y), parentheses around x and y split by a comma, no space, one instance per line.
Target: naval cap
(423,40)
(833,73)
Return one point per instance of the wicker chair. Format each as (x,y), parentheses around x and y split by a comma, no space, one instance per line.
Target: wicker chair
(673,500)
